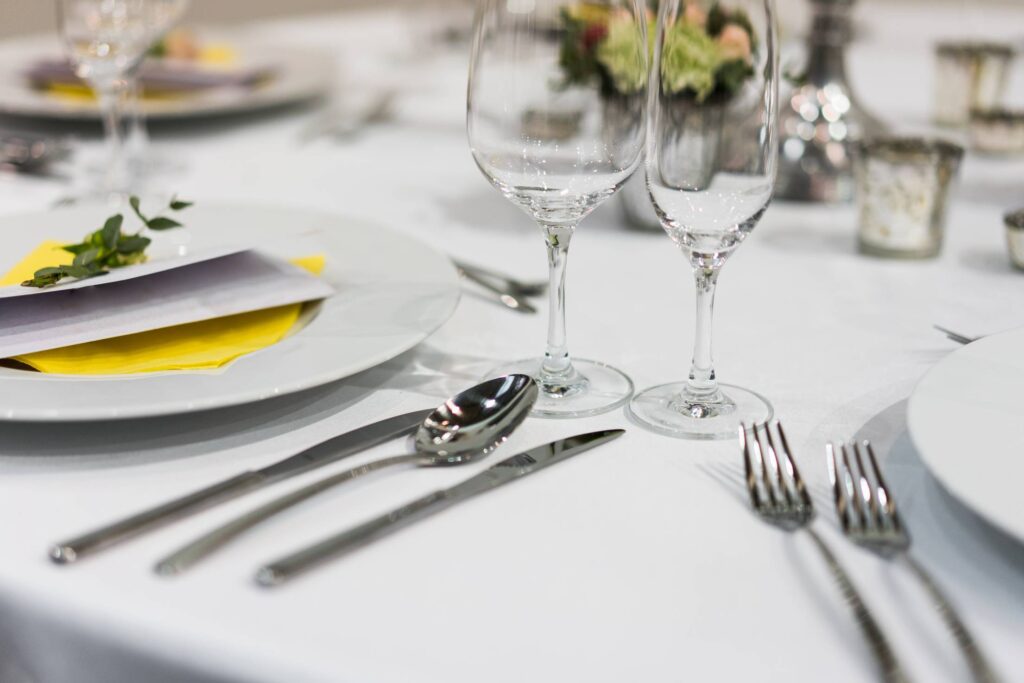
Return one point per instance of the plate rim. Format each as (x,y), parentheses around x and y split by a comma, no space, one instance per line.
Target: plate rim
(319,85)
(200,404)
(915,408)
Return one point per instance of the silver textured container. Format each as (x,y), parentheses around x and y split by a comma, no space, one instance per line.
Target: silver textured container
(1015,237)
(997,132)
(970,76)
(902,191)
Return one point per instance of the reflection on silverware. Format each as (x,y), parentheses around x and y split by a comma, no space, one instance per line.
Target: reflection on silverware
(322,453)
(868,516)
(507,298)
(469,425)
(1014,222)
(27,152)
(535,288)
(779,496)
(956,336)
(500,473)
(342,125)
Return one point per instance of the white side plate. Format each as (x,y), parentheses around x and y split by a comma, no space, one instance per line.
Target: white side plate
(966,418)
(392,292)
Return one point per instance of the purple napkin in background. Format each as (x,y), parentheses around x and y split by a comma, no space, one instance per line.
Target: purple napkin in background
(158,76)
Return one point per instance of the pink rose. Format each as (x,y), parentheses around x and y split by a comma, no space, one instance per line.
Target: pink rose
(693,14)
(735,42)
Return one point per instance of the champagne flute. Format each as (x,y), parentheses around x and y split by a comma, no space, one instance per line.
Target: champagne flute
(106,41)
(711,161)
(555,119)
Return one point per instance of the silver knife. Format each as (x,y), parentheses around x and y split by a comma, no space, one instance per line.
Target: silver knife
(496,475)
(322,453)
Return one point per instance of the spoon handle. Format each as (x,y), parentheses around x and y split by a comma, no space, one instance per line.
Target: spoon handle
(194,551)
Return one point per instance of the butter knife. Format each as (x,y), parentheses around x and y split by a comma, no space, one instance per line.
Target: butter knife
(496,475)
(325,452)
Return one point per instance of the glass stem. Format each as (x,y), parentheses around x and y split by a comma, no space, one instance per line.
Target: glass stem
(110,98)
(557,367)
(702,383)
(138,138)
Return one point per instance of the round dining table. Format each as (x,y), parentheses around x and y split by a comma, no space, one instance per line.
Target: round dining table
(638,561)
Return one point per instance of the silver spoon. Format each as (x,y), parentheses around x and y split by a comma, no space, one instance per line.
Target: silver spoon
(466,426)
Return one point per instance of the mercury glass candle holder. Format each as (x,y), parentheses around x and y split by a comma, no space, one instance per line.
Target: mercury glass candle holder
(997,132)
(970,76)
(902,191)
(1015,237)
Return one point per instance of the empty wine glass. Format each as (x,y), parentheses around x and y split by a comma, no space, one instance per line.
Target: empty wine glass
(711,160)
(163,16)
(106,41)
(555,117)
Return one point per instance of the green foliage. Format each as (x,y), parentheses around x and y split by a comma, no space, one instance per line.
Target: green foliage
(106,248)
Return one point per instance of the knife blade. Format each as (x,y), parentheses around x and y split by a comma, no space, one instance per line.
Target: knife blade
(325,452)
(503,472)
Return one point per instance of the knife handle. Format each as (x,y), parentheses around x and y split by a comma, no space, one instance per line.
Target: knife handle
(153,518)
(281,570)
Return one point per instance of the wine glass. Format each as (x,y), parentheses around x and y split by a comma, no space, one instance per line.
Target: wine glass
(711,161)
(163,15)
(106,41)
(555,117)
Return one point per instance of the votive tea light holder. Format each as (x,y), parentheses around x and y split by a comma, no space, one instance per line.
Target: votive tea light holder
(997,131)
(969,76)
(902,191)
(1015,237)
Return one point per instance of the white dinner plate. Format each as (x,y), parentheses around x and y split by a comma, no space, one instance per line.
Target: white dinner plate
(298,74)
(391,292)
(966,418)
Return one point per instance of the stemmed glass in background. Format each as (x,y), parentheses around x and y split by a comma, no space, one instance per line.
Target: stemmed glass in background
(163,16)
(106,41)
(711,161)
(555,117)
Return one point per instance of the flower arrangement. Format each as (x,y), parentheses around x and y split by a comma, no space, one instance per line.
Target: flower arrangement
(705,55)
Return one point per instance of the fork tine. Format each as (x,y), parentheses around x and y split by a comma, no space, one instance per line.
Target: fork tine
(851,488)
(766,479)
(794,472)
(834,477)
(777,462)
(888,503)
(755,497)
(865,488)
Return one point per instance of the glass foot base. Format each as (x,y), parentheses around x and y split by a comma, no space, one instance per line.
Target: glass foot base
(592,389)
(664,409)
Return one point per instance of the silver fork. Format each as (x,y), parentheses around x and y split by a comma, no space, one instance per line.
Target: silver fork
(868,516)
(779,496)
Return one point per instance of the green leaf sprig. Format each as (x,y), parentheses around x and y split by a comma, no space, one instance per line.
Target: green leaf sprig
(106,248)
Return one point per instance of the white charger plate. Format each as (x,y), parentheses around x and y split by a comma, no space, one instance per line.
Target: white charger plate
(966,418)
(298,74)
(392,292)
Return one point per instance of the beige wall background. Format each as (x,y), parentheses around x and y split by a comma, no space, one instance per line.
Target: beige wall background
(34,16)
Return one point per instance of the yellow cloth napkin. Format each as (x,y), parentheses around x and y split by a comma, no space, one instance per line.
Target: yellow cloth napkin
(195,346)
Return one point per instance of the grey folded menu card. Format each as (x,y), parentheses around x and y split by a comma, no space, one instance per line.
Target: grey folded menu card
(162,76)
(238,282)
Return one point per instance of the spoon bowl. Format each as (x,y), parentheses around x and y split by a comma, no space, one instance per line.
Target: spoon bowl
(476,421)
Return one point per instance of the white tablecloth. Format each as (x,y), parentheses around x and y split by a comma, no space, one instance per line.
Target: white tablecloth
(639,561)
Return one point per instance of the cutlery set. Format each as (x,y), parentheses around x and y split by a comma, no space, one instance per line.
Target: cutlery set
(463,429)
(867,515)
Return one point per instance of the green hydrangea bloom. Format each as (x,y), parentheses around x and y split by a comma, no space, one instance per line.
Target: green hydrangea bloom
(621,53)
(689,59)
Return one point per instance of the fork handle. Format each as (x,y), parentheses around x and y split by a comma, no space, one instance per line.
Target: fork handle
(892,672)
(981,670)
